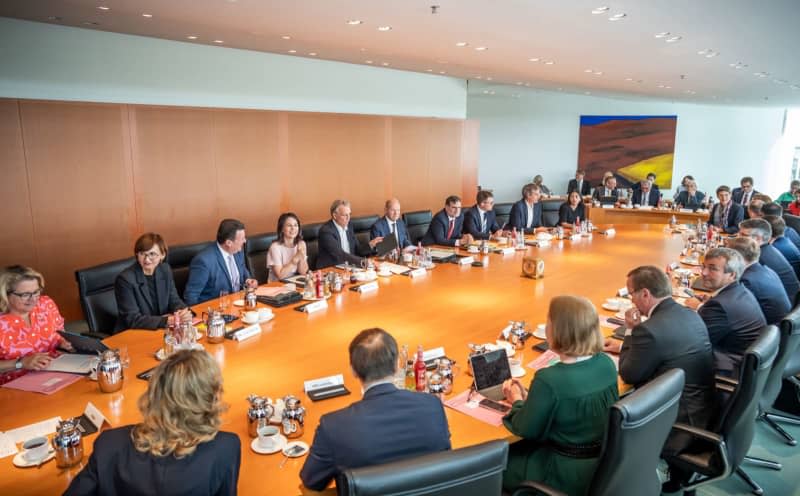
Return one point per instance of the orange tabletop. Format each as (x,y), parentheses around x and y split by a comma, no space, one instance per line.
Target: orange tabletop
(599,215)
(451,306)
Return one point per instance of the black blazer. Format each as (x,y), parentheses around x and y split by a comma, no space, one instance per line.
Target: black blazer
(381,229)
(789,252)
(135,308)
(566,214)
(437,231)
(738,194)
(387,424)
(731,224)
(586,188)
(694,202)
(734,320)
(472,223)
(518,217)
(652,200)
(766,286)
(330,247)
(772,258)
(116,468)
(673,337)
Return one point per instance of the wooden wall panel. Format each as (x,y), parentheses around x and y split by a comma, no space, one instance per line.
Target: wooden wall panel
(470,148)
(79,188)
(17,245)
(444,162)
(410,171)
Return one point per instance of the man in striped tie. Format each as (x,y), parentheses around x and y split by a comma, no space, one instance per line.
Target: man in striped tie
(446,226)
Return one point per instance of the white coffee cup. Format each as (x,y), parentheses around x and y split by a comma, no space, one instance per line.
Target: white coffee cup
(250,317)
(267,437)
(612,303)
(407,257)
(473,249)
(264,314)
(502,240)
(35,449)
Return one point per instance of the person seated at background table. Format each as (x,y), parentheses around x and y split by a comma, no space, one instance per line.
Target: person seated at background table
(564,415)
(392,224)
(651,176)
(726,215)
(691,198)
(578,184)
(387,424)
(526,214)
(571,210)
(732,314)
(29,323)
(177,448)
(537,180)
(774,208)
(145,291)
(606,175)
(782,244)
(447,226)
(683,186)
(220,266)
(645,195)
(287,255)
(609,189)
(788,196)
(337,240)
(480,220)
(761,231)
(794,207)
(762,281)
(744,193)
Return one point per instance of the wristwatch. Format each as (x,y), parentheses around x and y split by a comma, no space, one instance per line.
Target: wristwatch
(18,364)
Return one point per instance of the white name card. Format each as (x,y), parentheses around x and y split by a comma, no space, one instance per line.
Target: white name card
(610,206)
(508,250)
(247,332)
(323,382)
(646,207)
(420,271)
(316,306)
(622,292)
(95,416)
(370,286)
(610,231)
(542,243)
(432,354)
(465,260)
(575,237)
(506,332)
(685,210)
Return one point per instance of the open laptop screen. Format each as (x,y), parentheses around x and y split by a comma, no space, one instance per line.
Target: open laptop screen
(490,369)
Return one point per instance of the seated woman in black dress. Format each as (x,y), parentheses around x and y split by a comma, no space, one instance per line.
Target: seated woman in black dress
(145,291)
(571,210)
(178,447)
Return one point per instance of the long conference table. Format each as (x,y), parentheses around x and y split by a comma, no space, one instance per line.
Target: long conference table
(451,306)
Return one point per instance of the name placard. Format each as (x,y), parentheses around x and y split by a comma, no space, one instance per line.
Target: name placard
(465,260)
(685,210)
(622,292)
(432,354)
(417,272)
(247,332)
(316,306)
(610,206)
(575,237)
(610,231)
(370,286)
(323,382)
(508,250)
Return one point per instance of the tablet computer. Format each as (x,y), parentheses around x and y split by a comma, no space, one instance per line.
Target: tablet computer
(85,345)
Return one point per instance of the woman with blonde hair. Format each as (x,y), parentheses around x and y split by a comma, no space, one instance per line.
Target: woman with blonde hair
(177,448)
(563,417)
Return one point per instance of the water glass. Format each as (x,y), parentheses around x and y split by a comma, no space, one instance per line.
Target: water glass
(223,301)
(124,357)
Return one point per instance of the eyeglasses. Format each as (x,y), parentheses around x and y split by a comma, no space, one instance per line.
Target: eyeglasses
(152,255)
(28,296)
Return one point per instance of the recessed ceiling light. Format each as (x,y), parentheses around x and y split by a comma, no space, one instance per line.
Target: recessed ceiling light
(485,92)
(628,79)
(147,15)
(708,53)
(218,41)
(761,74)
(191,37)
(617,17)
(354,22)
(367,61)
(363,49)
(491,92)
(662,35)
(668,87)
(103,7)
(534,59)
(660,85)
(673,39)
(90,23)
(527,84)
(588,71)
(519,83)
(600,10)
(738,65)
(312,54)
(384,28)
(428,70)
(286,37)
(54,18)
(598,73)
(691,92)
(549,62)
(385,64)
(587,92)
(478,77)
(292,51)
(462,44)
(442,72)
(488,78)
(481,48)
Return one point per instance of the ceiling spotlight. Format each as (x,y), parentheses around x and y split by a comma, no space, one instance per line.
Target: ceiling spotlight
(488,78)
(103,7)
(673,39)
(385,64)
(191,37)
(660,85)
(354,22)
(738,65)
(519,83)
(428,70)
(600,10)
(384,28)
(147,15)
(548,62)
(662,35)
(628,79)
(481,48)
(367,61)
(598,73)
(761,74)
(286,37)
(491,92)
(478,77)
(312,54)
(485,92)
(218,41)
(617,17)
(462,44)
(708,53)
(442,72)
(534,59)
(292,51)
(588,71)
(587,92)
(668,87)
(528,84)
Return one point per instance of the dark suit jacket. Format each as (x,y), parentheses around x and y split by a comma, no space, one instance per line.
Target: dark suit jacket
(766,286)
(472,223)
(437,231)
(600,191)
(387,424)
(734,320)
(694,202)
(738,193)
(586,188)
(381,229)
(135,307)
(773,259)
(652,200)
(789,252)
(731,224)
(116,468)
(518,217)
(566,214)
(673,337)
(208,275)
(330,247)
(792,236)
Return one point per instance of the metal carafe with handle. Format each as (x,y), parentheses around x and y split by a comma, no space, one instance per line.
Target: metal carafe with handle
(293,417)
(109,371)
(215,327)
(68,443)
(259,413)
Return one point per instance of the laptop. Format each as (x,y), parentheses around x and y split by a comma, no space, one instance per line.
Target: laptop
(490,370)
(388,244)
(608,200)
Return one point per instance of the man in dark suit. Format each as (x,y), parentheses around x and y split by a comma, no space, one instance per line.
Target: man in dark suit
(651,176)
(387,424)
(391,224)
(761,231)
(725,215)
(732,314)
(782,244)
(608,191)
(690,197)
(762,281)
(526,214)
(220,266)
(790,233)
(447,226)
(745,192)
(337,240)
(645,195)
(672,337)
(578,184)
(480,220)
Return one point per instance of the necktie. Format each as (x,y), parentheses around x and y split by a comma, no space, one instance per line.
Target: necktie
(723,220)
(233,272)
(483,222)
(451,228)
(746,199)
(393,230)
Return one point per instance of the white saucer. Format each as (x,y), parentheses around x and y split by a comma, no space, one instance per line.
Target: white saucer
(250,323)
(694,263)
(21,462)
(271,316)
(539,332)
(297,454)
(518,372)
(278,446)
(613,308)
(238,303)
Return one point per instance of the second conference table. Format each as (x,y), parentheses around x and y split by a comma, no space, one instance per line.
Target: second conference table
(450,306)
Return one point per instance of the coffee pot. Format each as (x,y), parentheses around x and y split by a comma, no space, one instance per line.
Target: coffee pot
(293,417)
(68,444)
(250,299)
(215,326)
(109,371)
(518,334)
(258,414)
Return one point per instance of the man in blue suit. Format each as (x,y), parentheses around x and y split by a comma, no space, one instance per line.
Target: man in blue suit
(743,194)
(391,224)
(782,243)
(790,233)
(762,281)
(388,423)
(725,215)
(480,220)
(526,214)
(220,266)
(446,226)
(645,195)
(761,231)
(578,184)
(337,240)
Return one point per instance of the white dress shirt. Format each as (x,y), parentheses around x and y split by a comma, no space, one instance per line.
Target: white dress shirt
(343,237)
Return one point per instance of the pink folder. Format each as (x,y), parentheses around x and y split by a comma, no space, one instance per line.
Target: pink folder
(43,382)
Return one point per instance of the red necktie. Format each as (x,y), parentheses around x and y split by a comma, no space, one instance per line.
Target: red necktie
(450,229)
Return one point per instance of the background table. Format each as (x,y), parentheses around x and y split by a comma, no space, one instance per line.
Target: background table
(599,215)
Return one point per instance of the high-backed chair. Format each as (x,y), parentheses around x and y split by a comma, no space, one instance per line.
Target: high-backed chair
(179,257)
(255,254)
(361,227)
(417,223)
(719,451)
(550,212)
(472,471)
(638,426)
(96,292)
(792,221)
(311,236)
(781,369)
(503,212)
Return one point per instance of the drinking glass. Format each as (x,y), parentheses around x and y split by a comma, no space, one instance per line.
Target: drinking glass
(223,301)
(124,357)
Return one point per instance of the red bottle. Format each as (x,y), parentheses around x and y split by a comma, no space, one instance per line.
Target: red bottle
(419,371)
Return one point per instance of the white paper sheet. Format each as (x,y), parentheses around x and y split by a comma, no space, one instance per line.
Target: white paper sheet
(43,428)
(7,446)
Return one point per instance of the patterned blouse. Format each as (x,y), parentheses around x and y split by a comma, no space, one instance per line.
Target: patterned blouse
(18,340)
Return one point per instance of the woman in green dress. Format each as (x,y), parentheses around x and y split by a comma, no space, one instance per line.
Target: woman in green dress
(564,415)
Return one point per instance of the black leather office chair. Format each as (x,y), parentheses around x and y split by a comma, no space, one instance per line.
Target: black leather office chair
(179,257)
(96,292)
(638,426)
(792,221)
(471,471)
(550,212)
(255,253)
(311,237)
(503,213)
(719,451)
(417,223)
(361,226)
(786,366)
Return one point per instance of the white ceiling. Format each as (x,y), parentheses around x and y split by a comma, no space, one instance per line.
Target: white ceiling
(625,56)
